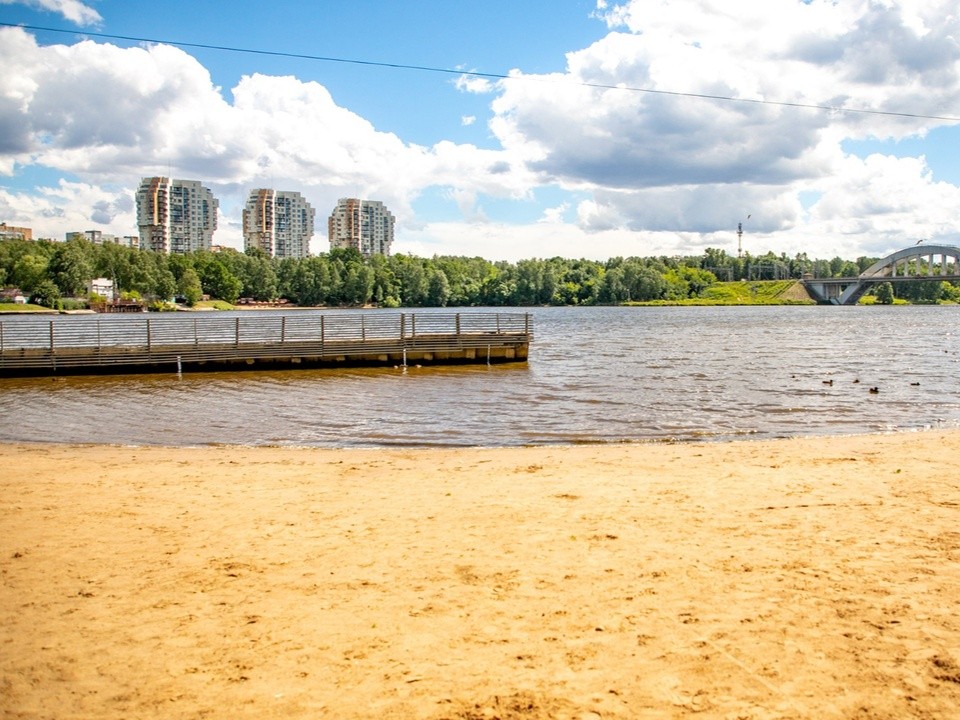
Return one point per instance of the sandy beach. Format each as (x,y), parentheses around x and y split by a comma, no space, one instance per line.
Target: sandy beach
(804,578)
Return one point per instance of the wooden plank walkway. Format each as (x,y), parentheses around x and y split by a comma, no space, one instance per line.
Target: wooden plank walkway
(97,344)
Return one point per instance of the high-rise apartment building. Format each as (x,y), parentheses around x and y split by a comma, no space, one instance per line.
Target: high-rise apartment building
(365,225)
(175,216)
(278,222)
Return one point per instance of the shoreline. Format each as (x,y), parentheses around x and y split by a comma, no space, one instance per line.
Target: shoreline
(745,438)
(802,577)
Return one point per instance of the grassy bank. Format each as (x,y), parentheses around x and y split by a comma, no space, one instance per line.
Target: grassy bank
(21,308)
(758,292)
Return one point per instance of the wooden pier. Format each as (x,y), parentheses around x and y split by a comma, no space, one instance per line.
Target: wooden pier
(104,344)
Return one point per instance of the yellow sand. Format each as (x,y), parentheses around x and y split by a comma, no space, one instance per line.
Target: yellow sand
(810,578)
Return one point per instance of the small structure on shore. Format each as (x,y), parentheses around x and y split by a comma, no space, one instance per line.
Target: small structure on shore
(118,306)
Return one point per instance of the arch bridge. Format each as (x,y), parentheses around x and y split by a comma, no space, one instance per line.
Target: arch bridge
(912,264)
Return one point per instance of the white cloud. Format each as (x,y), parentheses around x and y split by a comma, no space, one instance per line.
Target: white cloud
(72,10)
(870,207)
(69,207)
(660,160)
(498,241)
(154,110)
(466,201)
(664,172)
(475,84)
(554,215)
(630,138)
(885,202)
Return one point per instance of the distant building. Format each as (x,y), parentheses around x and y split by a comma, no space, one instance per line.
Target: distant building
(175,216)
(9,232)
(13,295)
(99,238)
(94,236)
(102,287)
(365,225)
(279,222)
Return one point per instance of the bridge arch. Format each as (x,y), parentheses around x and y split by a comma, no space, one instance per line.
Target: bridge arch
(887,267)
(917,262)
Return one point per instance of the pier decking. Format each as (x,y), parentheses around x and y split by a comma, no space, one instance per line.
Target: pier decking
(102,344)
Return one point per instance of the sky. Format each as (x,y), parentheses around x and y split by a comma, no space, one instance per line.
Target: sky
(505,129)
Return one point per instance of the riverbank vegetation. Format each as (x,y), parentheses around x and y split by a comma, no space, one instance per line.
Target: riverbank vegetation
(50,272)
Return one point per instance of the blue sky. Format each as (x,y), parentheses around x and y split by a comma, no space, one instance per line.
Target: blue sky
(554,161)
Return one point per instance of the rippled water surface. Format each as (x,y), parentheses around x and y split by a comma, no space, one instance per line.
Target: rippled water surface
(594,375)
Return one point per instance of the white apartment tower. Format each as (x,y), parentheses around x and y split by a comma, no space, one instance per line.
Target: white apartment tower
(365,225)
(175,216)
(278,222)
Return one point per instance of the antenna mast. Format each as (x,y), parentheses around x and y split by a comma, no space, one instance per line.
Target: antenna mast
(740,237)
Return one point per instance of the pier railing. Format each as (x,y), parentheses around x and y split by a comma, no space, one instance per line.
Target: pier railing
(97,343)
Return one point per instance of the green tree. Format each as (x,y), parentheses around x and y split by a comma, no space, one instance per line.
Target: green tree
(306,286)
(548,284)
(528,276)
(410,278)
(926,292)
(383,291)
(585,275)
(696,280)
(499,286)
(12,250)
(189,286)
(951,292)
(166,285)
(142,276)
(884,293)
(357,284)
(219,282)
(647,284)
(286,270)
(29,271)
(438,287)
(612,288)
(70,267)
(261,278)
(46,294)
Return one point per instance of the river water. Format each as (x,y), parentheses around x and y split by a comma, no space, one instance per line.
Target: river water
(595,375)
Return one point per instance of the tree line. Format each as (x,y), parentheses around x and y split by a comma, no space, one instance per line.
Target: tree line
(49,271)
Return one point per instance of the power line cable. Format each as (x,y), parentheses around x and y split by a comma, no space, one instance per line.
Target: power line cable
(485,75)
